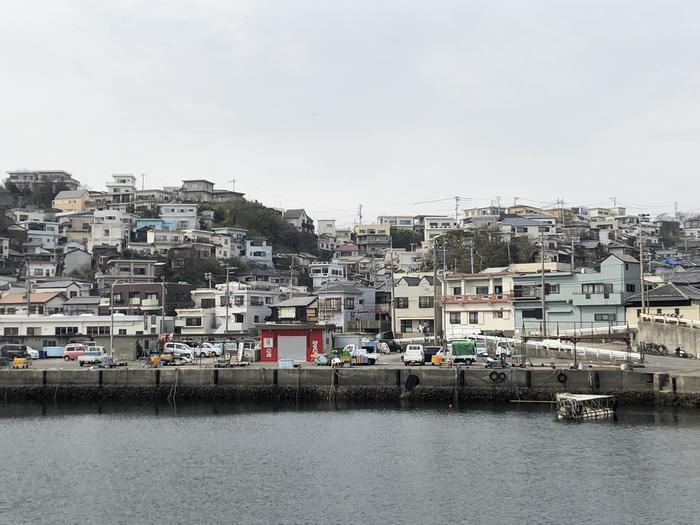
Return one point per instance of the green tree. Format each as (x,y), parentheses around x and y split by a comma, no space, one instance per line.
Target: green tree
(404,238)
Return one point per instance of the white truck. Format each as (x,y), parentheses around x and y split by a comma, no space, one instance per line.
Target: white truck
(358,351)
(92,356)
(414,355)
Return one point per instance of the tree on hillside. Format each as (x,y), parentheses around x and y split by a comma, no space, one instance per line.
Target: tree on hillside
(405,238)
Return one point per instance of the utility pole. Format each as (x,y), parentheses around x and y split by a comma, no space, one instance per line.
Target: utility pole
(573,255)
(544,313)
(641,270)
(143,181)
(515,201)
(444,294)
(471,255)
(162,302)
(675,209)
(228,297)
(393,305)
(233,185)
(435,295)
(359,213)
(28,286)
(457,208)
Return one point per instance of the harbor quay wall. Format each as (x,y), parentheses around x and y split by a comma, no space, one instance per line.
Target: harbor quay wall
(420,383)
(671,333)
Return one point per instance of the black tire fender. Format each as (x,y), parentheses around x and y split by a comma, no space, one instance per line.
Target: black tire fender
(562,377)
(493,376)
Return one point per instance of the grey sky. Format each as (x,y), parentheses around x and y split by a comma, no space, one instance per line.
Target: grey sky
(325,105)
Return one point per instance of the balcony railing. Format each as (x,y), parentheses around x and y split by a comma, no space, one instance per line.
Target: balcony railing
(469,299)
(149,303)
(134,301)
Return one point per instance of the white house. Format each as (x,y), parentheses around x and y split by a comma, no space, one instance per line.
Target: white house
(107,229)
(322,272)
(414,305)
(435,226)
(258,251)
(185,215)
(42,233)
(121,190)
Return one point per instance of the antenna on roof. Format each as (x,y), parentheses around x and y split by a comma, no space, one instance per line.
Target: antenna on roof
(233,185)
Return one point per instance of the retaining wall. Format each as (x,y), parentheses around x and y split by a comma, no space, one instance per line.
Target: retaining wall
(347,383)
(671,332)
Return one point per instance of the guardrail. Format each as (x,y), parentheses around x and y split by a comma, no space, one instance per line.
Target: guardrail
(667,319)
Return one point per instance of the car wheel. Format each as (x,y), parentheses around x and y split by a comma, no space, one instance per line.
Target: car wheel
(66,358)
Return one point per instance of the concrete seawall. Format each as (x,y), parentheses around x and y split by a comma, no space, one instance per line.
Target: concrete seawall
(354,383)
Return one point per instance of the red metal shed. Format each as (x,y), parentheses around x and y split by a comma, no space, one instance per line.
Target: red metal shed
(294,341)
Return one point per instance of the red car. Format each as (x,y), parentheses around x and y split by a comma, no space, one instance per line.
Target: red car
(73,350)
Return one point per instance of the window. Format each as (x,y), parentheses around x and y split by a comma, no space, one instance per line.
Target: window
(406,325)
(457,290)
(677,311)
(193,321)
(256,319)
(208,303)
(401,302)
(455,317)
(604,317)
(256,301)
(658,311)
(498,315)
(473,317)
(551,289)
(426,301)
(97,330)
(33,330)
(122,331)
(482,290)
(532,313)
(630,288)
(597,288)
(349,303)
(48,342)
(118,298)
(10,330)
(66,330)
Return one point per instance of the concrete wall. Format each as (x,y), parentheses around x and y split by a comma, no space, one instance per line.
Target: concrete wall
(671,333)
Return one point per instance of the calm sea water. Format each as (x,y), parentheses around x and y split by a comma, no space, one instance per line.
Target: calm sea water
(325,464)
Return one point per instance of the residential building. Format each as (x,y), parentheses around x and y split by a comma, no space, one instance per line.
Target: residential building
(122,190)
(435,226)
(414,306)
(202,190)
(130,270)
(37,267)
(404,261)
(148,200)
(321,272)
(30,215)
(373,239)
(673,300)
(326,227)
(107,229)
(76,260)
(487,216)
(258,251)
(326,243)
(300,220)
(520,209)
(147,299)
(34,180)
(49,331)
(478,302)
(71,200)
(77,227)
(348,306)
(218,245)
(346,250)
(530,227)
(343,236)
(47,303)
(154,223)
(237,238)
(572,300)
(86,305)
(296,310)
(67,287)
(4,248)
(184,215)
(44,234)
(400,222)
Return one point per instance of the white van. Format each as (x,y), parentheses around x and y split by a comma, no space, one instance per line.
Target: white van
(414,355)
(180,350)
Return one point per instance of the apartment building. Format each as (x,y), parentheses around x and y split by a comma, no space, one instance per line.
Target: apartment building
(435,226)
(44,234)
(321,272)
(400,222)
(531,227)
(121,190)
(373,239)
(129,270)
(77,227)
(147,298)
(237,239)
(107,228)
(31,180)
(582,299)
(348,306)
(300,220)
(148,200)
(184,215)
(258,251)
(477,302)
(487,216)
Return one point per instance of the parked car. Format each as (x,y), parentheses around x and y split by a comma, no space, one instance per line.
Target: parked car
(74,350)
(33,354)
(208,350)
(11,351)
(414,355)
(92,356)
(392,344)
(482,349)
(181,350)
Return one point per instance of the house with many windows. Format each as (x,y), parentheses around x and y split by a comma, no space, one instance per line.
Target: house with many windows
(414,306)
(478,302)
(347,305)
(584,298)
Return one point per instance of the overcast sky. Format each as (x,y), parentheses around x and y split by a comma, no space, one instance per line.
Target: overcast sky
(325,104)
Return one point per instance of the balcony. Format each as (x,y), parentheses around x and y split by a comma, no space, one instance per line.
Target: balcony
(476,299)
(150,303)
(134,301)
